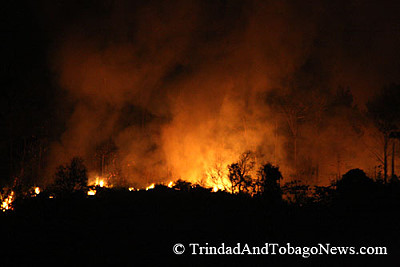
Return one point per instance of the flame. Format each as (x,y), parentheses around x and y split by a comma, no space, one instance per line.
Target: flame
(217,178)
(99,182)
(171,184)
(51,196)
(91,192)
(150,186)
(133,189)
(37,190)
(6,204)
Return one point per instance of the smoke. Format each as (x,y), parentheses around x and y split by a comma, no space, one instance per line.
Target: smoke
(182,86)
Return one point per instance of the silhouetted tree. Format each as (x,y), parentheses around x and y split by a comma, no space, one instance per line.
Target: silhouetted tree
(182,185)
(297,192)
(353,181)
(294,112)
(239,173)
(216,174)
(384,110)
(355,187)
(269,178)
(72,177)
(323,194)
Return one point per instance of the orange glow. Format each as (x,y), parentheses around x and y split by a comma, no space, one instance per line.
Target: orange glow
(99,181)
(211,109)
(171,184)
(37,190)
(91,192)
(6,204)
(150,186)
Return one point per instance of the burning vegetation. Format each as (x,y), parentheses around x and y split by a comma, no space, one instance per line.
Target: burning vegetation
(7,202)
(271,105)
(174,96)
(72,180)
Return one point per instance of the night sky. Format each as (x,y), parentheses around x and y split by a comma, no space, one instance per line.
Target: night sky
(166,81)
(131,126)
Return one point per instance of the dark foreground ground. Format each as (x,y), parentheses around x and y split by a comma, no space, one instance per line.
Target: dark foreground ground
(140,228)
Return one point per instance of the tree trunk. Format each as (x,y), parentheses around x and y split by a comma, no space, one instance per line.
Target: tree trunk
(295,153)
(393,149)
(385,147)
(102,165)
(276,142)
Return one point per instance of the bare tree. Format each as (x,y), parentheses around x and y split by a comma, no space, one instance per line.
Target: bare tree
(384,111)
(240,173)
(217,176)
(106,155)
(294,112)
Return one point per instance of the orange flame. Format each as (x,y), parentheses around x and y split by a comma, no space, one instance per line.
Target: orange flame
(150,186)
(6,204)
(91,192)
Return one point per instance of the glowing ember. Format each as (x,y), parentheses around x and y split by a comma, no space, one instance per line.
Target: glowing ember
(37,190)
(215,188)
(132,189)
(171,184)
(6,204)
(51,196)
(91,192)
(150,186)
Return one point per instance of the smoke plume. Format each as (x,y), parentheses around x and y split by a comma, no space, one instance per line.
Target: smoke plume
(182,87)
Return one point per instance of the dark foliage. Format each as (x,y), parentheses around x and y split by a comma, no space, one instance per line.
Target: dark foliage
(297,193)
(384,110)
(118,227)
(269,177)
(71,178)
(239,174)
(182,185)
(356,188)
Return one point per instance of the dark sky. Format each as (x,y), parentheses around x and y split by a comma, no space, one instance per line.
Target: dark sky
(314,43)
(362,31)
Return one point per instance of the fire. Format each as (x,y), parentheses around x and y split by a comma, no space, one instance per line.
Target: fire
(99,182)
(171,184)
(37,190)
(133,189)
(91,192)
(217,178)
(6,204)
(150,186)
